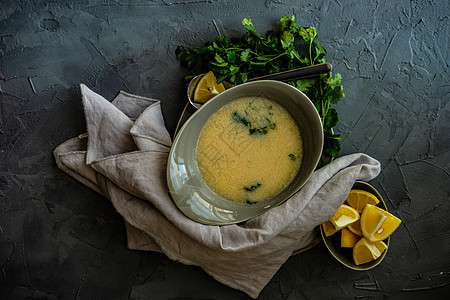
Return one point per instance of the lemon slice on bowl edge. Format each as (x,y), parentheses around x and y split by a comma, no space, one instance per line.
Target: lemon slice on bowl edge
(207,87)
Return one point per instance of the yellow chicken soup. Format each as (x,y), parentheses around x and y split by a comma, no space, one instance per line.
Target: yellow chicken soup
(249,150)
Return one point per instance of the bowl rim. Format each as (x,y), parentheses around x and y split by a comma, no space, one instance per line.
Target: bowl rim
(179,203)
(362,185)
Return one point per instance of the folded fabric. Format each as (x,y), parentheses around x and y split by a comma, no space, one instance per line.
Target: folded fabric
(123,156)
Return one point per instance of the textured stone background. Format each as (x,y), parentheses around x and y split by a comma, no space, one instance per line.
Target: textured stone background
(58,239)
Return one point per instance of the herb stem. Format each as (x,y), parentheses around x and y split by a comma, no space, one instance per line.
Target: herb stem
(239,49)
(276,57)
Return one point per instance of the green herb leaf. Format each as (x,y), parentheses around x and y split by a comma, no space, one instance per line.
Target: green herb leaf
(262,130)
(232,57)
(287,39)
(247,23)
(308,34)
(332,144)
(240,119)
(320,53)
(244,54)
(331,119)
(283,23)
(253,187)
(219,59)
(333,81)
(244,77)
(305,85)
(287,24)
(234,69)
(222,41)
(271,125)
(224,64)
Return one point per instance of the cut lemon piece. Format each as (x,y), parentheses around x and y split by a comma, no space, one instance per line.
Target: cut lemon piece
(207,87)
(365,251)
(356,228)
(359,198)
(344,216)
(377,224)
(328,228)
(348,238)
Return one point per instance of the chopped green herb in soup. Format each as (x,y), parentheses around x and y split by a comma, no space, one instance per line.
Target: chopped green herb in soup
(249,150)
(253,187)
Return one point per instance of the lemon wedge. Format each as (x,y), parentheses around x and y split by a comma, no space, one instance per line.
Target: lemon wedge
(207,88)
(356,228)
(348,238)
(344,216)
(365,251)
(328,228)
(359,198)
(378,224)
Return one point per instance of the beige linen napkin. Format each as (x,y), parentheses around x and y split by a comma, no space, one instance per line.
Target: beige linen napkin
(123,157)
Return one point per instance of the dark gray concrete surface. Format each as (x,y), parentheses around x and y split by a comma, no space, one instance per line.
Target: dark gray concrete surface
(60,240)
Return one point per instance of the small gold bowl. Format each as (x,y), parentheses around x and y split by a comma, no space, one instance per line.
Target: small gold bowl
(344,255)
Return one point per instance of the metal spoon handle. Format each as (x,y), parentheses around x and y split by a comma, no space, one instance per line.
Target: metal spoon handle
(297,73)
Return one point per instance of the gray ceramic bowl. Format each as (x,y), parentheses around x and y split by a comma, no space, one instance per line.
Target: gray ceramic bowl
(186,185)
(344,255)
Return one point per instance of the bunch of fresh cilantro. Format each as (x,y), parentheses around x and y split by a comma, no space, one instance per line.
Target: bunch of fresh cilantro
(252,55)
